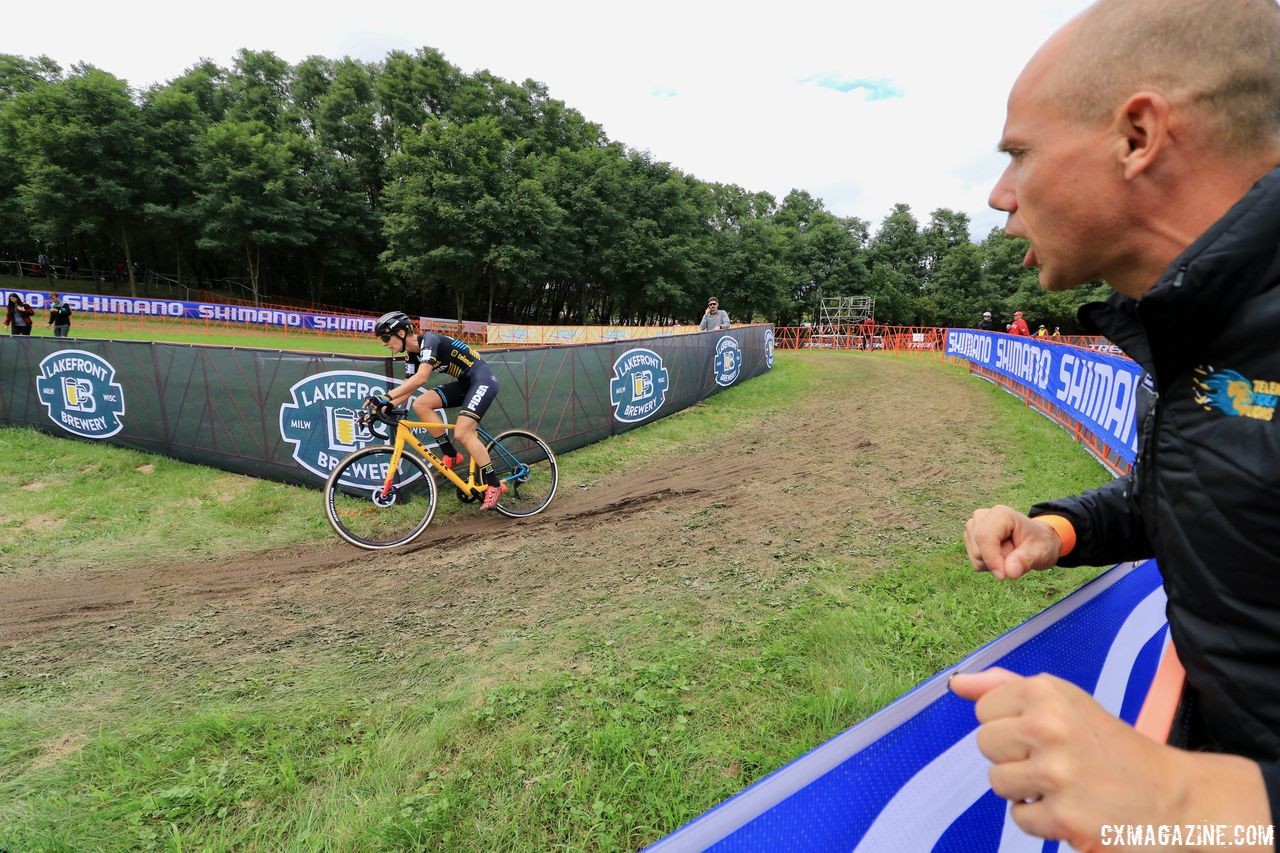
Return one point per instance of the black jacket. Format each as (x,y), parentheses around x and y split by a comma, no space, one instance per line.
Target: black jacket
(1204,498)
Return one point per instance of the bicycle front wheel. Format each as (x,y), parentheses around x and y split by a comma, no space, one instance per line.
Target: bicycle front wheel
(369,514)
(526,464)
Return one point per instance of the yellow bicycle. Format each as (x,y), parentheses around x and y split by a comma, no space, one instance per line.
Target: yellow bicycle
(382,496)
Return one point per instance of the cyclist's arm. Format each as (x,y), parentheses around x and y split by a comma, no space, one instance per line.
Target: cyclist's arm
(401,393)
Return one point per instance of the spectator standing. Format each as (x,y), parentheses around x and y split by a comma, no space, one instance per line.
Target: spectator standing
(1057,332)
(868,332)
(1163,111)
(59,316)
(73,267)
(714,319)
(1019,326)
(1042,332)
(17,315)
(986,323)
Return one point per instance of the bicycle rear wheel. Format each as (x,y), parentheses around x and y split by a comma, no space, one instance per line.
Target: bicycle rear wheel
(526,464)
(363,515)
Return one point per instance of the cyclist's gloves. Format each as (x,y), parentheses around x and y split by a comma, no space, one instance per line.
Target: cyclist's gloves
(378,403)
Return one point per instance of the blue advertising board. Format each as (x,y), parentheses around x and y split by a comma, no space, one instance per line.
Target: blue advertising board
(1098,390)
(911,776)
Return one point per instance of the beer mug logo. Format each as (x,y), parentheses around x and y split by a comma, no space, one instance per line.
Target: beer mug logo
(344,433)
(642,385)
(77,394)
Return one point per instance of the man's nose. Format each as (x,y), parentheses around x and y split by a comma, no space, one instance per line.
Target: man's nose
(1002,195)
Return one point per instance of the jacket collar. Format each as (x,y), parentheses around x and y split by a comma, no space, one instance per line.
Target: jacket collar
(1236,259)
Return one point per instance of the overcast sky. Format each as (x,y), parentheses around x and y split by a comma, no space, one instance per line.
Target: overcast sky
(862,104)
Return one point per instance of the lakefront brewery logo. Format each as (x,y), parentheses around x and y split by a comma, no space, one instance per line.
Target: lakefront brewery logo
(728,363)
(639,385)
(320,423)
(768,348)
(80,393)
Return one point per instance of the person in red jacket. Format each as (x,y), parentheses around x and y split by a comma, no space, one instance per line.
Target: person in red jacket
(1019,326)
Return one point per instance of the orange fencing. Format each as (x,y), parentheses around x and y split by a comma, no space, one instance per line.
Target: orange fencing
(899,339)
(896,339)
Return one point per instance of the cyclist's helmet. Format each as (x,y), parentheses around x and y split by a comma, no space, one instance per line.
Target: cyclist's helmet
(390,323)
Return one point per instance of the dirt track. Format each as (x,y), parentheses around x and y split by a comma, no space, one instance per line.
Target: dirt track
(785,491)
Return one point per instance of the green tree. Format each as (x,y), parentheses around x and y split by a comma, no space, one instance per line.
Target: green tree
(448,220)
(899,246)
(411,89)
(258,90)
(252,196)
(957,287)
(83,167)
(172,127)
(18,76)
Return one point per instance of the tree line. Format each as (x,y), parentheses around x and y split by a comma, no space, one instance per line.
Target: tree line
(406,182)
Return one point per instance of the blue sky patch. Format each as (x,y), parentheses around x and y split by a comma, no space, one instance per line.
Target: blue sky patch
(877,90)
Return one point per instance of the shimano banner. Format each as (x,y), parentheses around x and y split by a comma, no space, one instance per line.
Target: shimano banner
(137,306)
(1098,390)
(911,776)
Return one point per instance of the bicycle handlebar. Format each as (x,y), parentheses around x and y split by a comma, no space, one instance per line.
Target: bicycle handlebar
(370,418)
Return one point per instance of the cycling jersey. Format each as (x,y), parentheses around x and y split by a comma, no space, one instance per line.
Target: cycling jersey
(475,387)
(448,354)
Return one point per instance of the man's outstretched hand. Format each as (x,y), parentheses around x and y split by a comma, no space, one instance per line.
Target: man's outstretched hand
(1008,544)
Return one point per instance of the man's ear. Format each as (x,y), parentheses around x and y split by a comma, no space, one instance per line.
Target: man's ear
(1145,125)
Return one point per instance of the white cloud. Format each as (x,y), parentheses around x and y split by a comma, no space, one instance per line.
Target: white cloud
(727,91)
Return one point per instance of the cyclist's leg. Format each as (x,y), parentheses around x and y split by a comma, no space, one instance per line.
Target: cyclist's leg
(479,393)
(425,409)
(443,397)
(464,432)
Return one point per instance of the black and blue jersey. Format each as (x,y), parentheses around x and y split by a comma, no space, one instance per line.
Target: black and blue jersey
(474,387)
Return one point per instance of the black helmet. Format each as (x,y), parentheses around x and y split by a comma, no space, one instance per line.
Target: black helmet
(390,323)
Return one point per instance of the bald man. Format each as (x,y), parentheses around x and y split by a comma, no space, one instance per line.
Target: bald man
(1144,141)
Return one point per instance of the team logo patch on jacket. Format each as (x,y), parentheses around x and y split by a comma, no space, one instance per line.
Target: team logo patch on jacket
(80,393)
(1236,395)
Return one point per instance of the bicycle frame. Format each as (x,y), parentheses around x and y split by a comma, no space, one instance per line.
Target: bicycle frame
(404,435)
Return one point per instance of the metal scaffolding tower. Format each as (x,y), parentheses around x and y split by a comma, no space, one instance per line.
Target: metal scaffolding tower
(839,321)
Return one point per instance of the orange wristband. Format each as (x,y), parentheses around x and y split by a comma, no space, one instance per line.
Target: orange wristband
(1065,530)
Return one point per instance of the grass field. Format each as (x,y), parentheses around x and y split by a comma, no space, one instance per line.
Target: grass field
(602,720)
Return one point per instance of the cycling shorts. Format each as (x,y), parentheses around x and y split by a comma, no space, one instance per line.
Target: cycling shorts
(474,391)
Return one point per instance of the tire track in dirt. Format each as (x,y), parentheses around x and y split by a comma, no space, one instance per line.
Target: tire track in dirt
(30,608)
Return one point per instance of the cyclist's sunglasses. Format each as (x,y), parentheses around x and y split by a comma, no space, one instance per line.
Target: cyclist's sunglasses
(386,339)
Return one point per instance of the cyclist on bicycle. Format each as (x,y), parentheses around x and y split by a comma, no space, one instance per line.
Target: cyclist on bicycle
(473,388)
